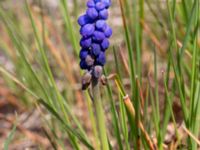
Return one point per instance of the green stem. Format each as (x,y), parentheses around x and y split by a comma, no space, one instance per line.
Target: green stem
(99,114)
(93,122)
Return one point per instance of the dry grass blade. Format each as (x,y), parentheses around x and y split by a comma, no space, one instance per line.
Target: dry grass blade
(191,135)
(131,109)
(124,61)
(141,95)
(156,41)
(153,37)
(8,43)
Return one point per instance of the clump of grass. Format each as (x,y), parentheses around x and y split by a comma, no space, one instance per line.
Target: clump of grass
(130,115)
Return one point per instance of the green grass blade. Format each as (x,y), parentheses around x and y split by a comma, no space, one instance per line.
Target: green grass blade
(66,126)
(45,60)
(130,50)
(68,25)
(114,115)
(10,137)
(175,67)
(185,9)
(189,27)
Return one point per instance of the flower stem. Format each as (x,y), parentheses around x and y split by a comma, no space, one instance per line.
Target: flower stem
(99,114)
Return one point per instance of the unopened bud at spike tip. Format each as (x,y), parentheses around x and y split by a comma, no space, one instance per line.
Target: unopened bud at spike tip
(97,71)
(86,79)
(89,60)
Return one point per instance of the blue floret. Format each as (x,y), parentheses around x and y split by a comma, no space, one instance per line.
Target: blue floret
(101,59)
(96,49)
(85,42)
(103,14)
(87,30)
(98,36)
(100,6)
(83,54)
(105,44)
(90,4)
(108,31)
(83,65)
(101,25)
(92,13)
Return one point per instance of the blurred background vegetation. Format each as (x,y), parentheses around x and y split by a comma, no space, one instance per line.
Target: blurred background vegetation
(154,58)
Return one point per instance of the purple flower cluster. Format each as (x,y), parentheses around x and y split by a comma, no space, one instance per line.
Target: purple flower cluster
(95,33)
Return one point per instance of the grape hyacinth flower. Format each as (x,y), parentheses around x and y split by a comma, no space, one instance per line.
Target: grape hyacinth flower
(95,33)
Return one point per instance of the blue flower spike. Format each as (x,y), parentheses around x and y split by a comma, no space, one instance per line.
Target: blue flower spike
(95,34)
